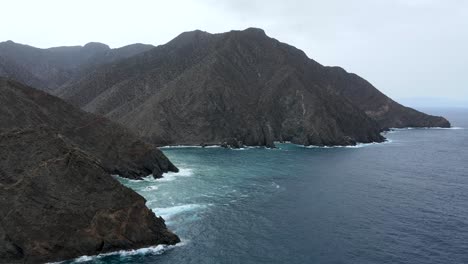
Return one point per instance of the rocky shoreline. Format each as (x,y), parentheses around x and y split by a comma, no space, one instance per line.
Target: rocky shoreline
(58,199)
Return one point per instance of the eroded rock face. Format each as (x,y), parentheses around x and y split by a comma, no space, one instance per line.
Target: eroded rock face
(58,202)
(118,150)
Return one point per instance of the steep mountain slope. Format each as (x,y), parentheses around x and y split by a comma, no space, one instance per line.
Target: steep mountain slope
(240,87)
(58,202)
(9,69)
(48,69)
(119,150)
(378,106)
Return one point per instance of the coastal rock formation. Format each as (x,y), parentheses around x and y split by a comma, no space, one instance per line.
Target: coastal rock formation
(59,202)
(238,88)
(48,69)
(118,150)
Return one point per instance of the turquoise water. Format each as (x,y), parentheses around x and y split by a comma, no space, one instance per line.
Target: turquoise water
(404,201)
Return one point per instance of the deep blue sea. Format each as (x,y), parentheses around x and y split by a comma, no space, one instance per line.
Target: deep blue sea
(403,201)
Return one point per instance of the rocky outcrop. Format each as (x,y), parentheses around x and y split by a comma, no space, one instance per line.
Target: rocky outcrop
(58,201)
(118,150)
(49,69)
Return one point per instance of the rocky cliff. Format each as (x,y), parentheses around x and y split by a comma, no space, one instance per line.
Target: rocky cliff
(58,201)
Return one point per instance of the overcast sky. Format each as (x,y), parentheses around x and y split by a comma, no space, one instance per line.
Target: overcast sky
(406,48)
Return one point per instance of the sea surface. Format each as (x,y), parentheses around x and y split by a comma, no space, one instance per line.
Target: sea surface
(403,201)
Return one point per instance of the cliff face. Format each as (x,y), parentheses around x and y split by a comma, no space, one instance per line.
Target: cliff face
(240,87)
(119,150)
(58,202)
(49,69)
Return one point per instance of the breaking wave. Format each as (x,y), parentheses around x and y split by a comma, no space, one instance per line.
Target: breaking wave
(153,250)
(168,212)
(358,145)
(189,146)
(170,176)
(423,128)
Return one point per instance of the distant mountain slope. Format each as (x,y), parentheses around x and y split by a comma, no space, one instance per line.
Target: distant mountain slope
(378,106)
(240,87)
(11,70)
(119,151)
(48,69)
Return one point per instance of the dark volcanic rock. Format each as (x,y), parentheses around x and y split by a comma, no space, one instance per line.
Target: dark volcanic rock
(49,69)
(237,88)
(59,202)
(119,150)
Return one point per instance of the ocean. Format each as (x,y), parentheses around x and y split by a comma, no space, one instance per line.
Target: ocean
(402,201)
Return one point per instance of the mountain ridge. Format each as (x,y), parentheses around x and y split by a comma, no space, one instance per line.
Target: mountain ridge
(141,91)
(57,65)
(237,88)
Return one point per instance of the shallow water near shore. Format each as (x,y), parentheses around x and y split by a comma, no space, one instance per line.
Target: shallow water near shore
(404,201)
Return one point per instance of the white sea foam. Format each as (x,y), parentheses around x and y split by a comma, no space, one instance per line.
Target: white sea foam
(424,128)
(179,146)
(150,188)
(168,212)
(190,146)
(211,146)
(83,259)
(358,145)
(274,184)
(154,250)
(170,176)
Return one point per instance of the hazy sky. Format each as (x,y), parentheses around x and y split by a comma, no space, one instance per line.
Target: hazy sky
(406,48)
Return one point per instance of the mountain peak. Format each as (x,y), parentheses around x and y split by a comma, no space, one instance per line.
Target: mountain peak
(193,33)
(9,43)
(190,37)
(254,30)
(96,46)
